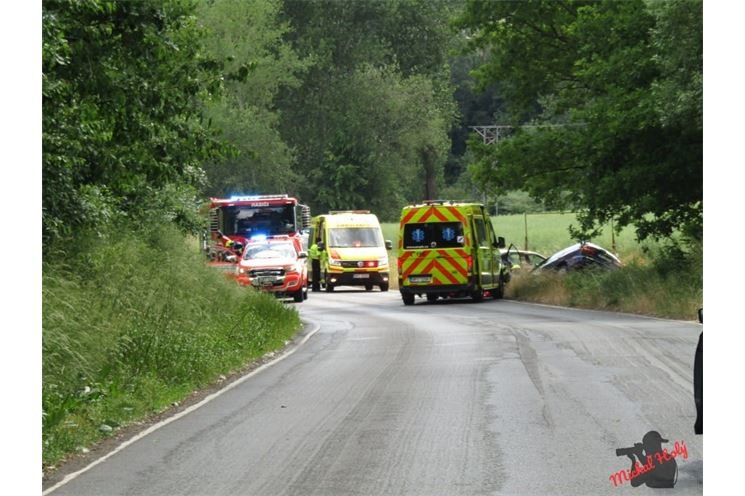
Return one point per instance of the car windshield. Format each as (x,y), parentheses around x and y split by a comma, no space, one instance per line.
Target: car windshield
(347,237)
(269,250)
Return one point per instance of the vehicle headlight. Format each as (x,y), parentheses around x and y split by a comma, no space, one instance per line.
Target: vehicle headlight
(241,270)
(382,261)
(333,261)
(290,268)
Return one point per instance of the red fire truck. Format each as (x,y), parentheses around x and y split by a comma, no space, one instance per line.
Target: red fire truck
(235,221)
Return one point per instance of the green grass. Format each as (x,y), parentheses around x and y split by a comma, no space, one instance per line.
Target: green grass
(133,324)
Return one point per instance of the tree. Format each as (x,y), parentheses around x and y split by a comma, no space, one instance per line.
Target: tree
(616,88)
(370,119)
(123,84)
(246,37)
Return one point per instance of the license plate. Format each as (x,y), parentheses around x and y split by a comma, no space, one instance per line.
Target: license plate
(419,279)
(361,276)
(264,282)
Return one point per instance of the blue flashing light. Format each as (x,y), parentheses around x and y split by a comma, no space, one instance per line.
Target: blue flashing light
(258,237)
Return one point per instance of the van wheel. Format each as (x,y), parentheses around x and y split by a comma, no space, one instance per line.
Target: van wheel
(384,286)
(498,292)
(408,298)
(477,295)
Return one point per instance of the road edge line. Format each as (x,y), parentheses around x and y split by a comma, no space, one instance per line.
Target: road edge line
(284,354)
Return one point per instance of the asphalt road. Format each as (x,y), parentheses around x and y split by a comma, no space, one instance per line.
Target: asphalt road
(451,398)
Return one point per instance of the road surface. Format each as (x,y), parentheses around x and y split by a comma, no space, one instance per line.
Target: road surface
(450,398)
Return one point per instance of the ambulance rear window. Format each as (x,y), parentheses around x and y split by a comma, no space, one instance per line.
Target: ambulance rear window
(433,235)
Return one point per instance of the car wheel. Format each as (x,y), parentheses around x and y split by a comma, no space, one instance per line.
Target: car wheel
(408,298)
(384,286)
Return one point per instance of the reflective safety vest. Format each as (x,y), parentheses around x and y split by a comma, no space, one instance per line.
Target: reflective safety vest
(314,252)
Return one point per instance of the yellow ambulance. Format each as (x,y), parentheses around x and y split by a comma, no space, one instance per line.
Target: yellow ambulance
(347,249)
(449,249)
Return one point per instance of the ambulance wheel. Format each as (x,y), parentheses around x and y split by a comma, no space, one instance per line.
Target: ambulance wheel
(431,297)
(408,298)
(298,296)
(498,292)
(329,287)
(477,295)
(384,286)
(368,287)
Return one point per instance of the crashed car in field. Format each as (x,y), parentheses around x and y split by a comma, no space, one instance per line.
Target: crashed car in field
(275,264)
(521,260)
(580,256)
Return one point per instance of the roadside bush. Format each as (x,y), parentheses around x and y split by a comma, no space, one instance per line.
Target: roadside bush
(132,322)
(665,282)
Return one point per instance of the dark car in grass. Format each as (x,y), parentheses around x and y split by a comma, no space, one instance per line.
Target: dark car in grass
(580,256)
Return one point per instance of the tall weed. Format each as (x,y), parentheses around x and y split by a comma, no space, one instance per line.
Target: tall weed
(135,321)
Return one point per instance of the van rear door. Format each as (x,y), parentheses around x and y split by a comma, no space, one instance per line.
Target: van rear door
(434,254)
(487,266)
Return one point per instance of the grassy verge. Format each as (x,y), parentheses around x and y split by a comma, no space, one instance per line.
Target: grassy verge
(132,325)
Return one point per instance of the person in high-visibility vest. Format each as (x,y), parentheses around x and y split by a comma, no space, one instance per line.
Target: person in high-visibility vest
(315,261)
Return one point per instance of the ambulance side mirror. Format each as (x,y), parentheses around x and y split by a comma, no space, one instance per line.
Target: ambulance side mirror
(388,244)
(500,242)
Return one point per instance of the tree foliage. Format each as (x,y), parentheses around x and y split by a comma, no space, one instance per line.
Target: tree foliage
(246,37)
(123,84)
(369,121)
(616,90)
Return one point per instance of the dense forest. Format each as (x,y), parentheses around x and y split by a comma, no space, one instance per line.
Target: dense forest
(151,106)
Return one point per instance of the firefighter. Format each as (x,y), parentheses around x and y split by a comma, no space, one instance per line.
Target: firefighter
(315,261)
(228,243)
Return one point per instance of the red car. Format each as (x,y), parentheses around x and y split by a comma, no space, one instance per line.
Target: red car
(277,265)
